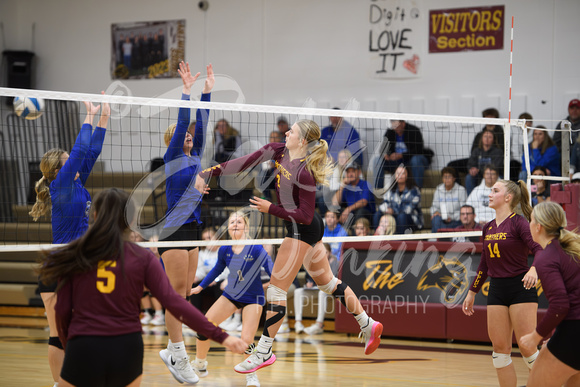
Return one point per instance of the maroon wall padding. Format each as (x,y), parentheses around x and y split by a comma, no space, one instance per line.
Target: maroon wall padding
(400,320)
(471,328)
(437,321)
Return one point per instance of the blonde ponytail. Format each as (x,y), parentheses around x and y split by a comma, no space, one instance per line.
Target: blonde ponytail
(520,195)
(43,203)
(318,163)
(552,218)
(49,166)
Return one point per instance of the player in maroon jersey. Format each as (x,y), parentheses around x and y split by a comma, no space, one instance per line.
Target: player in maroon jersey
(302,163)
(511,306)
(558,267)
(100,278)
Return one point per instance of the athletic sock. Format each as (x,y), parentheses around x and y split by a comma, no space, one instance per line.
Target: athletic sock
(265,344)
(178,349)
(362,319)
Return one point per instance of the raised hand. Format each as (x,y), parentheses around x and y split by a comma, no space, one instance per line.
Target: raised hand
(210,80)
(186,76)
(91,111)
(105,114)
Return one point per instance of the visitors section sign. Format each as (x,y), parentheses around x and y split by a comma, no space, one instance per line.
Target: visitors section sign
(466,29)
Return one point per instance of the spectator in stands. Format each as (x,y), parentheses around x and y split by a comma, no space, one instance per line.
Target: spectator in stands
(461,165)
(468,219)
(404,146)
(485,153)
(334,229)
(528,117)
(403,202)
(227,142)
(207,259)
(354,195)
(387,225)
(540,188)
(299,294)
(468,223)
(326,193)
(283,127)
(574,118)
(447,201)
(362,227)
(576,178)
(543,153)
(479,197)
(340,134)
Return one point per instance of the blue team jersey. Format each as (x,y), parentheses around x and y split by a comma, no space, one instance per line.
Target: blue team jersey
(71,202)
(244,284)
(180,170)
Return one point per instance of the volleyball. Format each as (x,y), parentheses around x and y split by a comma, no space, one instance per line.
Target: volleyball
(29,108)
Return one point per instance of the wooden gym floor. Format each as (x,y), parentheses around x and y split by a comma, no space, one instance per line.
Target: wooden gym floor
(330,359)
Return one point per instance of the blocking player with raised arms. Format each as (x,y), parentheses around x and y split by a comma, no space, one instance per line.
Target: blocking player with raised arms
(558,268)
(512,301)
(100,278)
(243,290)
(302,163)
(182,164)
(61,191)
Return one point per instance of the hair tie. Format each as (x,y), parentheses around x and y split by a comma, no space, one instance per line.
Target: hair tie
(560,228)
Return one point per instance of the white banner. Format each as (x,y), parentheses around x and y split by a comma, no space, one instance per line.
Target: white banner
(396,31)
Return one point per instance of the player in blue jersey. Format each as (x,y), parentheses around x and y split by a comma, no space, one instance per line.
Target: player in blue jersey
(61,191)
(182,221)
(244,289)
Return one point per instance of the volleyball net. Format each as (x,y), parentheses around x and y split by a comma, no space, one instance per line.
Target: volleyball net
(134,148)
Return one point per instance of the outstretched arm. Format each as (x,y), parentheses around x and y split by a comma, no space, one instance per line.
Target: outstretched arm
(97,140)
(202,115)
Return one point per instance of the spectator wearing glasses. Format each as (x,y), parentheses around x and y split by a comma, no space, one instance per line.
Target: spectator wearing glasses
(468,223)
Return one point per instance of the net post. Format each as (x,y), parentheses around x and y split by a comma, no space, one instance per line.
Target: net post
(507,147)
(566,137)
(527,161)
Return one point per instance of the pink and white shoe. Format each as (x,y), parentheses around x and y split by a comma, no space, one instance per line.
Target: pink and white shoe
(371,335)
(255,361)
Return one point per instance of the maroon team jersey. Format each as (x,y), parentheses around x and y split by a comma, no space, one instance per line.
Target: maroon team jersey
(505,250)
(107,300)
(295,186)
(560,276)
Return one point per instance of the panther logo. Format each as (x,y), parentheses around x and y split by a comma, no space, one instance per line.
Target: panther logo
(447,275)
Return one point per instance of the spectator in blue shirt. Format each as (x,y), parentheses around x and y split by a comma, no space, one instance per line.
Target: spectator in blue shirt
(355,196)
(340,134)
(543,153)
(334,229)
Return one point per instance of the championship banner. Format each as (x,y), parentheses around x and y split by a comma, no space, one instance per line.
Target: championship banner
(395,44)
(145,50)
(466,29)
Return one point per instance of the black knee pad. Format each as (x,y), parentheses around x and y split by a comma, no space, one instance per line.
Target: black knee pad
(201,337)
(280,313)
(55,342)
(339,293)
(146,293)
